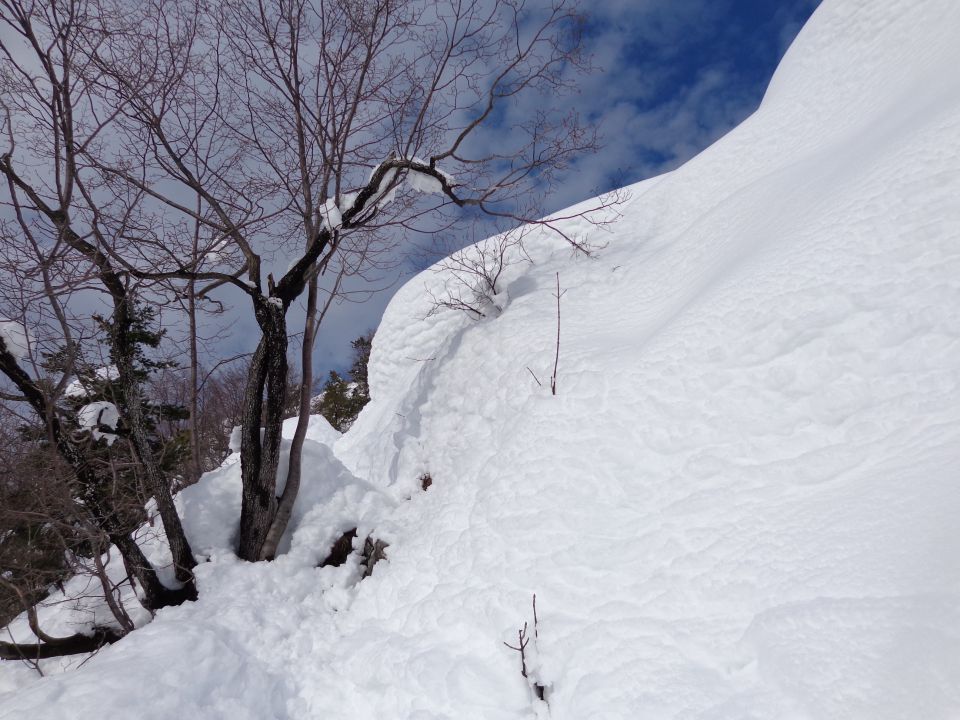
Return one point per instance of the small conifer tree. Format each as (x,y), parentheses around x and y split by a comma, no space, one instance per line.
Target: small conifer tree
(343,399)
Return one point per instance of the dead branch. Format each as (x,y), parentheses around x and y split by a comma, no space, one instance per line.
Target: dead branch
(556,355)
(523,641)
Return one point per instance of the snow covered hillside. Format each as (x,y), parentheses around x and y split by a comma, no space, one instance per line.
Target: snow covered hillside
(741,503)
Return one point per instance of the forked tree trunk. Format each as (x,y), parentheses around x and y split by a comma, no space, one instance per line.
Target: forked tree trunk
(262,404)
(292,486)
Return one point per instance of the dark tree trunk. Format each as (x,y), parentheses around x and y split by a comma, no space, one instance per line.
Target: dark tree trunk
(62,646)
(55,646)
(292,486)
(263,403)
(196,466)
(154,594)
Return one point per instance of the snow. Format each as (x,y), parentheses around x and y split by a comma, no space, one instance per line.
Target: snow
(421,182)
(424,183)
(383,194)
(347,200)
(218,253)
(318,430)
(414,179)
(331,214)
(211,508)
(741,503)
(16,339)
(98,414)
(76,388)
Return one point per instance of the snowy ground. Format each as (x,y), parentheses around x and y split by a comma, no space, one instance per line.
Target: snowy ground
(741,503)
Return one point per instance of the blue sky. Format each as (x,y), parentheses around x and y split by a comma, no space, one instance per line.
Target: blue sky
(677,75)
(673,77)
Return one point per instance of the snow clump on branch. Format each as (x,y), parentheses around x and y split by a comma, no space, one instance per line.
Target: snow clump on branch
(428,184)
(15,338)
(386,191)
(76,388)
(96,414)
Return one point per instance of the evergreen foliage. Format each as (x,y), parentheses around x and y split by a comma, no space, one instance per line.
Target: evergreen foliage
(343,398)
(141,335)
(45,521)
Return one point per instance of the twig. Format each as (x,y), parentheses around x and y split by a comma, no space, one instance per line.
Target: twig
(521,647)
(536,620)
(29,662)
(534,376)
(556,356)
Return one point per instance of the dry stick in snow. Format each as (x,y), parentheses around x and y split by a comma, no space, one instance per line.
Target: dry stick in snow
(536,620)
(521,647)
(534,376)
(556,356)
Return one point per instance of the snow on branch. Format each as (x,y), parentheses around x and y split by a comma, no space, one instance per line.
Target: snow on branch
(97,415)
(431,183)
(382,186)
(79,388)
(16,339)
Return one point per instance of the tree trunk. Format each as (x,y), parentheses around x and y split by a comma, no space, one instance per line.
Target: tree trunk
(292,486)
(260,454)
(123,356)
(183,559)
(63,646)
(196,466)
(96,495)
(139,569)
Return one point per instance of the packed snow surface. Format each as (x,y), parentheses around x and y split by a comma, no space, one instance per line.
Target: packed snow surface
(741,503)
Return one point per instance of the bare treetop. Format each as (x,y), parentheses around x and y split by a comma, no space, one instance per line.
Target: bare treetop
(163,149)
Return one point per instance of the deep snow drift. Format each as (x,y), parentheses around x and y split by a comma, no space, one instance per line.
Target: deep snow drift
(741,503)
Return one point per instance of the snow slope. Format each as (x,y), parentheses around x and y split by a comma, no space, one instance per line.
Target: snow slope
(742,501)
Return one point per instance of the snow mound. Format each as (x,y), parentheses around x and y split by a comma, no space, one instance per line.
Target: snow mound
(319,430)
(741,503)
(211,507)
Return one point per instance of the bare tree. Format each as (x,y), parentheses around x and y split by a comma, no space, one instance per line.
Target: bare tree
(46,536)
(473,274)
(192,146)
(55,249)
(321,131)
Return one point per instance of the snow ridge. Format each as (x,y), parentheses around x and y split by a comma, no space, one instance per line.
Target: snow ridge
(741,503)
